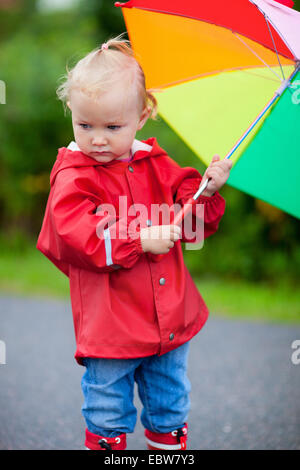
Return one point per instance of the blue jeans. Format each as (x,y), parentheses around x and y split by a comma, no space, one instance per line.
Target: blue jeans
(163,387)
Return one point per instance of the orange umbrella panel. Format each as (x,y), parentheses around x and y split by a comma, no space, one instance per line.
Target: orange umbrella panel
(183,49)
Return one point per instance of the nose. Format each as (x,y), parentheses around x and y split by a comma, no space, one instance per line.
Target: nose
(99,140)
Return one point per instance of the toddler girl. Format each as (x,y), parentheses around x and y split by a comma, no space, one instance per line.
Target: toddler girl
(134,312)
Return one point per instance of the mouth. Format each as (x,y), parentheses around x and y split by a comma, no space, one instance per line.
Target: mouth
(101,154)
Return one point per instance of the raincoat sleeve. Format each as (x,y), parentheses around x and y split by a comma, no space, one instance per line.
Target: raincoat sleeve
(75,232)
(185,183)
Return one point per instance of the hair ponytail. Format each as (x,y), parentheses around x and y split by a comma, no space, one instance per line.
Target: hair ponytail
(95,73)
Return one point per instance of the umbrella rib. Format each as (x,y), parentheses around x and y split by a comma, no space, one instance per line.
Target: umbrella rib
(276,29)
(258,75)
(250,48)
(274,46)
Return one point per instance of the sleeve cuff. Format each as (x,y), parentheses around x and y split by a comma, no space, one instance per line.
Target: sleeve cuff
(210,199)
(138,245)
(134,235)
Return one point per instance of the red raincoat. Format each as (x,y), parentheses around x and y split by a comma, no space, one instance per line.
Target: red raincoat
(124,303)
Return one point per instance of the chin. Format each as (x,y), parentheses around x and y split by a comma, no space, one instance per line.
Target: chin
(101,158)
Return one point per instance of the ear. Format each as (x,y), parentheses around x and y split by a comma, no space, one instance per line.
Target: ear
(69,105)
(144,117)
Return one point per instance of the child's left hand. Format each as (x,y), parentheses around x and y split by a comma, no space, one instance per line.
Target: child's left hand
(218,172)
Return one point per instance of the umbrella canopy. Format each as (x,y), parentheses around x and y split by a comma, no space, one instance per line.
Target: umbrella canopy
(215,66)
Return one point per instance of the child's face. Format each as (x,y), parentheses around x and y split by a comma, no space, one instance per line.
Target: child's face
(104,129)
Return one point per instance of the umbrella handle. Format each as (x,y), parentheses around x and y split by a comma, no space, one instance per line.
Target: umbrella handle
(186,209)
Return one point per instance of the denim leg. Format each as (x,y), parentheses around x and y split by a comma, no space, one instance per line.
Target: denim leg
(164,388)
(108,387)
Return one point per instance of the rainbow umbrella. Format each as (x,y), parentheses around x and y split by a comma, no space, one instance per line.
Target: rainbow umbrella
(225,74)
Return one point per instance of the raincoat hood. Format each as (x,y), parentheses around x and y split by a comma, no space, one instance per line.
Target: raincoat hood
(72,157)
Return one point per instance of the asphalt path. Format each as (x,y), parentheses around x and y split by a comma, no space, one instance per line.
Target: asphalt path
(245,387)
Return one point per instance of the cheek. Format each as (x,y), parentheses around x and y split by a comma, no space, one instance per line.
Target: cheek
(123,138)
(80,134)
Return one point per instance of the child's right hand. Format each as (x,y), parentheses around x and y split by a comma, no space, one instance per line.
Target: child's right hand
(159,239)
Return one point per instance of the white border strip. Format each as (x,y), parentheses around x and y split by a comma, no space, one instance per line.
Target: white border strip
(164,446)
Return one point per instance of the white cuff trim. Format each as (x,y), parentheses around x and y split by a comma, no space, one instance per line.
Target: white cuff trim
(107,242)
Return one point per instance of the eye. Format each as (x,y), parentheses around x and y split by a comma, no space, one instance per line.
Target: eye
(113,127)
(85,126)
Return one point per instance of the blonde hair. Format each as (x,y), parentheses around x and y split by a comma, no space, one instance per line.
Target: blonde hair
(113,61)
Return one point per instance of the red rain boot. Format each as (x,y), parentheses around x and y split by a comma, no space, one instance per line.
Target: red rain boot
(175,440)
(96,442)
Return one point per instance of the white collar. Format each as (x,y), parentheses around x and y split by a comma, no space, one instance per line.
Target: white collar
(74,147)
(136,146)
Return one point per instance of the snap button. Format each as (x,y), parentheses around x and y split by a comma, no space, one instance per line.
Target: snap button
(171,336)
(149,223)
(130,169)
(162,281)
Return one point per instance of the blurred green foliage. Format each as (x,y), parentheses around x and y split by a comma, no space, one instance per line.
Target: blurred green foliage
(255,241)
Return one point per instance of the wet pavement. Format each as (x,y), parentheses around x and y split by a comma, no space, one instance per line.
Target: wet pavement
(245,387)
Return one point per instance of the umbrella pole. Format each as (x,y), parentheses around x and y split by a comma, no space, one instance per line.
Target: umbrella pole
(284,85)
(188,205)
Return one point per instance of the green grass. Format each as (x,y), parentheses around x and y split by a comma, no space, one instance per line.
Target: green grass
(257,301)
(31,274)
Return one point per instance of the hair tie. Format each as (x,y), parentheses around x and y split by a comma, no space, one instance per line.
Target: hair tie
(104,46)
